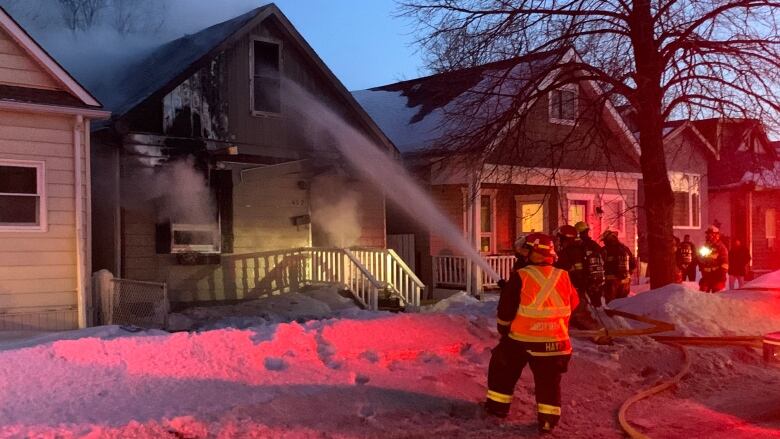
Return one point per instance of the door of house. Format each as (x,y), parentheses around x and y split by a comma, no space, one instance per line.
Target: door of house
(404,246)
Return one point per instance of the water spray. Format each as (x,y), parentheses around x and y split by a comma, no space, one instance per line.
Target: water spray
(378,167)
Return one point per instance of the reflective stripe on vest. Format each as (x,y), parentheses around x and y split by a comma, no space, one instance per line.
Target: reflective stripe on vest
(547,292)
(543,314)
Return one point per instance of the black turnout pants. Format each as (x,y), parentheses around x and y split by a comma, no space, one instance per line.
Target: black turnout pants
(507,363)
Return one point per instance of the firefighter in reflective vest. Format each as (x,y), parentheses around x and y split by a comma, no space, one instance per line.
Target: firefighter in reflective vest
(618,266)
(714,262)
(533,321)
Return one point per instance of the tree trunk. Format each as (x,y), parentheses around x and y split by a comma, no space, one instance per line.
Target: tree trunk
(659,200)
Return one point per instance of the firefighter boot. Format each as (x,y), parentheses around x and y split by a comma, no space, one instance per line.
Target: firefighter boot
(547,423)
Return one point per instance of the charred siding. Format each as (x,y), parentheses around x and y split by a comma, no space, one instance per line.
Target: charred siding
(197,107)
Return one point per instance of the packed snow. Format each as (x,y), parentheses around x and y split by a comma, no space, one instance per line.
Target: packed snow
(296,371)
(700,314)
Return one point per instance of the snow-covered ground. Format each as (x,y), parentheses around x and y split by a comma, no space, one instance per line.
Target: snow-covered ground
(295,371)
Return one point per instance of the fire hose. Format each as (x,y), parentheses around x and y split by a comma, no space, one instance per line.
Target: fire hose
(678,342)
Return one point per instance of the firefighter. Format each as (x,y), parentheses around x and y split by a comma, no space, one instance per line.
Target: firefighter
(686,260)
(571,257)
(618,266)
(521,253)
(533,319)
(714,262)
(593,264)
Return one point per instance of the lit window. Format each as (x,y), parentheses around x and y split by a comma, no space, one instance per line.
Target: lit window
(563,105)
(530,218)
(770,227)
(578,211)
(687,200)
(266,77)
(21,195)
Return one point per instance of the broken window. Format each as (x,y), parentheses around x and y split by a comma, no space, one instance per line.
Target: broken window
(266,77)
(563,105)
(21,195)
(197,238)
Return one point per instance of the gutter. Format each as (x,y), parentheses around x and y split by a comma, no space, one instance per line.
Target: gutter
(54,109)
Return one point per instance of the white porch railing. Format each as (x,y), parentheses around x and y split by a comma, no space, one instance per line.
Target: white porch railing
(364,272)
(450,271)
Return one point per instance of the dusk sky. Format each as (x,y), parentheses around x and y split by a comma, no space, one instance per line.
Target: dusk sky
(360,40)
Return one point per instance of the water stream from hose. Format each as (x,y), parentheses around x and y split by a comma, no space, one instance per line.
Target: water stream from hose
(381,169)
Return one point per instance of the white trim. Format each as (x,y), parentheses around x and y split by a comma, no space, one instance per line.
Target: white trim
(698,178)
(40,176)
(589,198)
(547,177)
(45,61)
(53,109)
(687,124)
(567,87)
(252,110)
(78,152)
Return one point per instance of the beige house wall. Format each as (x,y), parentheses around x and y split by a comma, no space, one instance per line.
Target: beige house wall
(38,280)
(17,69)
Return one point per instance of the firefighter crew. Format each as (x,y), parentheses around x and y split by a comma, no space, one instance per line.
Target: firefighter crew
(594,264)
(571,257)
(714,262)
(533,321)
(619,265)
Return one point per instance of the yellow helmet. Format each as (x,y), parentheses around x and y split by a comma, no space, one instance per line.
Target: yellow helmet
(581,226)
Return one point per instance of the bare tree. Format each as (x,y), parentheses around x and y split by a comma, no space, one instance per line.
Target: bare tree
(134,16)
(666,58)
(81,14)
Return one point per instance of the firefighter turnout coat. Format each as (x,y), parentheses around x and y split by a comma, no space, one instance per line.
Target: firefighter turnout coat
(535,306)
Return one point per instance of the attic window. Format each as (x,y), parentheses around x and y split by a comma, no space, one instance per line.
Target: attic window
(266,85)
(563,105)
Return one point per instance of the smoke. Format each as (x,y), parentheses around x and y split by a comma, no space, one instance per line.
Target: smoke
(335,211)
(122,33)
(178,190)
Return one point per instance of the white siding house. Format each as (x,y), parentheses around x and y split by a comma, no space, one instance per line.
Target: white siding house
(44,187)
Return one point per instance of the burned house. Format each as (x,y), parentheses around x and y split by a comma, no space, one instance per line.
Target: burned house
(208,179)
(570,159)
(45,115)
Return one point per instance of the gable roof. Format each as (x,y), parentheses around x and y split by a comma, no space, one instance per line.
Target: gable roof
(82,98)
(676,128)
(415,114)
(170,64)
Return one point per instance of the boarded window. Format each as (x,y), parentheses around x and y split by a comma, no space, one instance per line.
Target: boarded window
(21,195)
(563,105)
(266,77)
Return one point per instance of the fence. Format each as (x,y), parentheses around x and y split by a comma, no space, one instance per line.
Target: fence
(132,302)
(450,271)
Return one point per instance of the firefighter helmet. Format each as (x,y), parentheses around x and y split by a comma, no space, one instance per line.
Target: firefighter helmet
(609,235)
(712,230)
(712,234)
(567,231)
(542,248)
(581,226)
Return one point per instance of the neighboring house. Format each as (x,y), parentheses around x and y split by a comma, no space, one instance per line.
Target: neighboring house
(744,187)
(564,176)
(206,117)
(44,187)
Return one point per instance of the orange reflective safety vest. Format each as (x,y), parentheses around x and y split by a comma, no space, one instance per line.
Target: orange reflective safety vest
(545,305)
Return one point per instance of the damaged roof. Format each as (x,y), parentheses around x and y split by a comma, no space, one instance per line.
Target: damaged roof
(170,61)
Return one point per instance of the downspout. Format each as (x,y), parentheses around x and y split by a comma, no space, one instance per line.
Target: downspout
(81,296)
(88,224)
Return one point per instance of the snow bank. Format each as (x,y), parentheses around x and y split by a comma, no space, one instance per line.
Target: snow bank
(700,314)
(770,281)
(288,307)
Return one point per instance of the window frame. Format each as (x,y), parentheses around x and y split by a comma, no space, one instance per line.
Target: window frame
(40,177)
(771,239)
(698,177)
(550,108)
(253,40)
(520,200)
(590,203)
(491,193)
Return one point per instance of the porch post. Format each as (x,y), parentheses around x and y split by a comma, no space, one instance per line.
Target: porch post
(476,192)
(469,207)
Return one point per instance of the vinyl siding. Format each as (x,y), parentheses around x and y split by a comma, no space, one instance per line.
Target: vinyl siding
(18,69)
(38,269)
